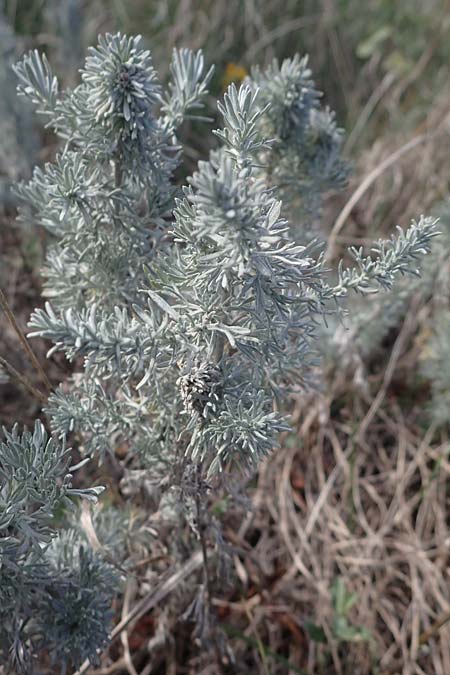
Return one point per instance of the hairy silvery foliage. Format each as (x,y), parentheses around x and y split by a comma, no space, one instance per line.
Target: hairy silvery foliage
(304,159)
(35,581)
(352,344)
(107,196)
(193,312)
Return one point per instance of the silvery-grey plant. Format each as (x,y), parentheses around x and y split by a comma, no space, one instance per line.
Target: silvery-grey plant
(190,315)
(58,602)
(354,344)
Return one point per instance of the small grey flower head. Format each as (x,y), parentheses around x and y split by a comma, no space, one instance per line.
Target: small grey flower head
(201,388)
(326,136)
(122,83)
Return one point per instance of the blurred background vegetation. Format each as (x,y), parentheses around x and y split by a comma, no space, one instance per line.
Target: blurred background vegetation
(348,563)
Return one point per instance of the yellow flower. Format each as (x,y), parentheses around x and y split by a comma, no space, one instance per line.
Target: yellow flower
(233,73)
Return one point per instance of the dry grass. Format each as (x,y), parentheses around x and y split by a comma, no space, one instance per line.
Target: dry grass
(372,512)
(363,498)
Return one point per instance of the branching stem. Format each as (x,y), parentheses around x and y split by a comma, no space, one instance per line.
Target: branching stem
(206,573)
(21,379)
(23,340)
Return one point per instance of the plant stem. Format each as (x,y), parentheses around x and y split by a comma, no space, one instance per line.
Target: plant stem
(201,531)
(23,340)
(22,380)
(206,574)
(435,628)
(117,174)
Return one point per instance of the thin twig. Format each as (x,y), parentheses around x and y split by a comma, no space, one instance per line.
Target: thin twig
(279,32)
(259,643)
(365,185)
(129,590)
(368,110)
(435,628)
(23,340)
(22,380)
(113,668)
(206,574)
(390,369)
